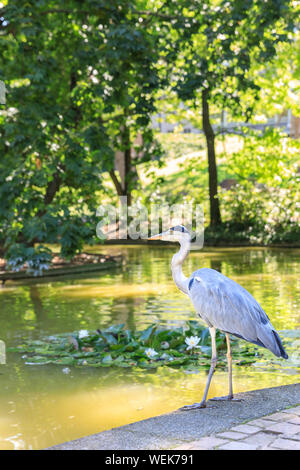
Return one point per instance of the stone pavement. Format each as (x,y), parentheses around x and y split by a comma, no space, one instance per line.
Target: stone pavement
(263,419)
(279,431)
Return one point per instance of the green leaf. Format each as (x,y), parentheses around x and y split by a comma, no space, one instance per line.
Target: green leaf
(110,339)
(107,359)
(115,329)
(146,335)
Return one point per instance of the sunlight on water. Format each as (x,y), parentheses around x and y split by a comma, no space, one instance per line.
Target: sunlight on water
(43,405)
(115,290)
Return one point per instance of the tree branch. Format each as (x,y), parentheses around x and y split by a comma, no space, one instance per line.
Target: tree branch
(116,182)
(52,188)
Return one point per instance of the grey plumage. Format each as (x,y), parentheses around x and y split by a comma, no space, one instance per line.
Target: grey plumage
(226,305)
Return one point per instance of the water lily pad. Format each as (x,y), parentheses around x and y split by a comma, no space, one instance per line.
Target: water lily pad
(117,347)
(115,329)
(107,359)
(110,339)
(146,334)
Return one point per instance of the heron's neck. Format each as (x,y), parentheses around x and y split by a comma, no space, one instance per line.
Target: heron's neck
(176,265)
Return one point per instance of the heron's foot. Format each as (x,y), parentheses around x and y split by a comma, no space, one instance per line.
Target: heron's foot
(226,398)
(195,406)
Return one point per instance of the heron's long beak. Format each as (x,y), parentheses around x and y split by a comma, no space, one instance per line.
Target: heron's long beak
(156,237)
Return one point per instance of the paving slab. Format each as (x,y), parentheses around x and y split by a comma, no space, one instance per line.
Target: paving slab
(184,429)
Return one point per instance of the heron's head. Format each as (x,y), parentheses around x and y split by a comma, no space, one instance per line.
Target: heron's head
(173,234)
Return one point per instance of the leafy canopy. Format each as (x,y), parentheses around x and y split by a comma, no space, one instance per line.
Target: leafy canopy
(77,74)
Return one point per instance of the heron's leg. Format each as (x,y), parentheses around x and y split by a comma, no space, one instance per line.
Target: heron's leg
(229,361)
(202,404)
(213,362)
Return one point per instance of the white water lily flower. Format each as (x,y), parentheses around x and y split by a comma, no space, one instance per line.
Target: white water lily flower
(192,342)
(151,353)
(83,334)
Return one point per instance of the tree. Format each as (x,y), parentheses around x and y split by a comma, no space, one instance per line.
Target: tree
(225,39)
(280,82)
(80,79)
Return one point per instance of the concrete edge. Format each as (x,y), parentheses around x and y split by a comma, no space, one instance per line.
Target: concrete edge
(173,429)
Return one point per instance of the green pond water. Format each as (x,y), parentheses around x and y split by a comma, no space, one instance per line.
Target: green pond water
(44,405)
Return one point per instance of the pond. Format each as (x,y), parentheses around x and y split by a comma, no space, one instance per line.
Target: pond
(44,405)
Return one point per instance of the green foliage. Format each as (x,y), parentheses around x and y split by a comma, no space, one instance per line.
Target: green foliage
(227,38)
(262,207)
(115,346)
(280,81)
(217,55)
(78,76)
(265,201)
(83,80)
(36,259)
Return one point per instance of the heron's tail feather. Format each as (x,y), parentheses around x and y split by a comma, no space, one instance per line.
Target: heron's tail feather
(269,338)
(280,346)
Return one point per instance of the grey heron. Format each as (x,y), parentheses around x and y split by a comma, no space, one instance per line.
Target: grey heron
(223,304)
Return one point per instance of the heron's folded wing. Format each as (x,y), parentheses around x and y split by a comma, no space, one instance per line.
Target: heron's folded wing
(229,307)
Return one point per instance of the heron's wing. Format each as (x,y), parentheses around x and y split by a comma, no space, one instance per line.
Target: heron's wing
(226,305)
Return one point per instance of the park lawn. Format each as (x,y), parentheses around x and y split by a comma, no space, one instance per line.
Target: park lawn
(184,170)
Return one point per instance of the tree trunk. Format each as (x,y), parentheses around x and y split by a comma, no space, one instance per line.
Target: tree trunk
(52,188)
(124,166)
(127,162)
(74,108)
(215,215)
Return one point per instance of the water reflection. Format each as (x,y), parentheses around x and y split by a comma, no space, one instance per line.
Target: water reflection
(41,406)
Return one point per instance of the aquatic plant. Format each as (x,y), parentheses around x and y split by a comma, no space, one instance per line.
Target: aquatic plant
(119,347)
